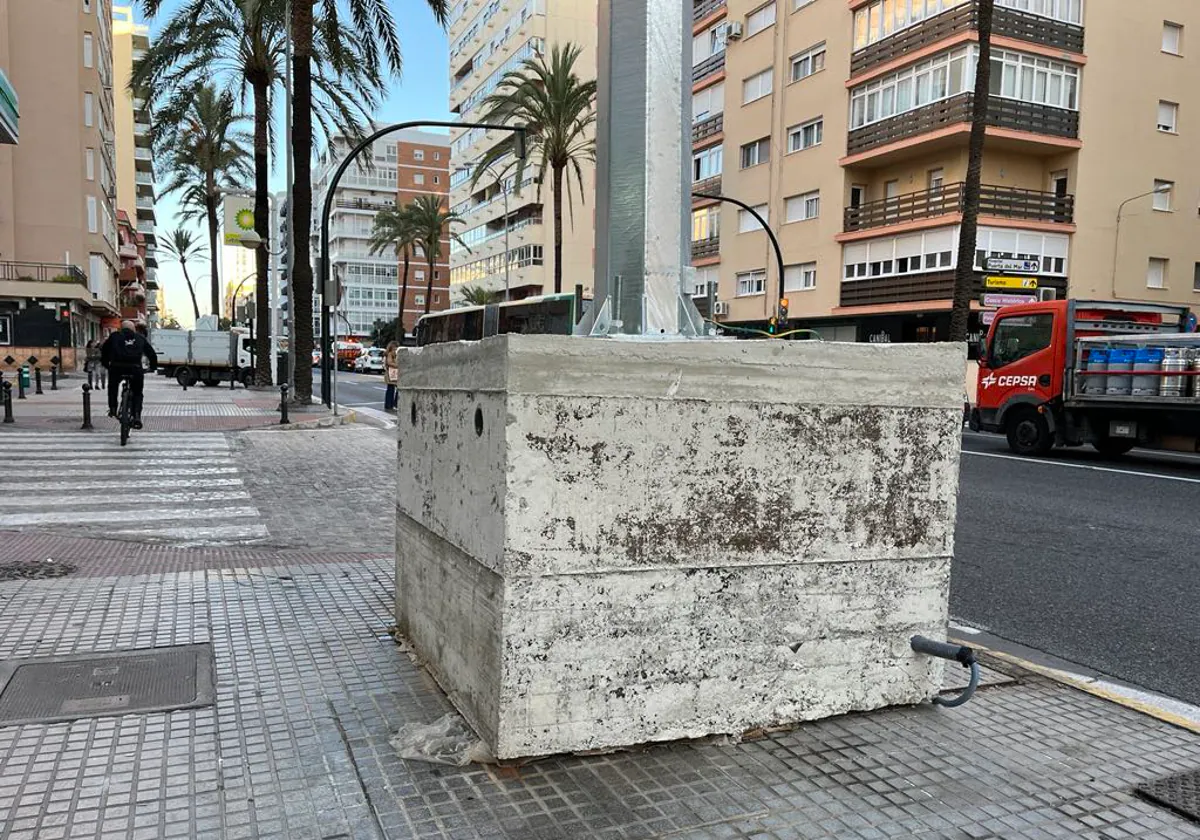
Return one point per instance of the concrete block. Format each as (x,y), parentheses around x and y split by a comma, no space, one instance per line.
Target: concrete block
(607,542)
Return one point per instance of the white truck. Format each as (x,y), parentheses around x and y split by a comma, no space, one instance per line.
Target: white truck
(208,356)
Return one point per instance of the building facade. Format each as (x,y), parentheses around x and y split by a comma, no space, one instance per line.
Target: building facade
(402,166)
(134,159)
(58,220)
(846,125)
(507,232)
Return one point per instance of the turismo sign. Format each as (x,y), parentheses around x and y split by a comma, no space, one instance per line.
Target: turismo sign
(1001,282)
(1012,266)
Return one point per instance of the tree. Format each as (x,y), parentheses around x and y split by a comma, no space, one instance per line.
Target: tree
(241,44)
(558,110)
(964,272)
(395,229)
(208,154)
(170,323)
(378,38)
(384,332)
(479,296)
(181,245)
(431,221)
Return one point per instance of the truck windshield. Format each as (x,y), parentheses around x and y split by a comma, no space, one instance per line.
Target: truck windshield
(1019,336)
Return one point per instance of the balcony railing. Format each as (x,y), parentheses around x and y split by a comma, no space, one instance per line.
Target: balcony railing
(915,288)
(363,204)
(1006,22)
(703,8)
(1006,202)
(708,66)
(707,128)
(1002,113)
(703,248)
(42,272)
(712,186)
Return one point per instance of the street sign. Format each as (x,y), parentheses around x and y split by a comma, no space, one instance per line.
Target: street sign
(987,317)
(239,218)
(1013,266)
(998,299)
(1001,282)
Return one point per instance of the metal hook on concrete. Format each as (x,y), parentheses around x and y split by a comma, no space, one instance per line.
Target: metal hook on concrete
(955,653)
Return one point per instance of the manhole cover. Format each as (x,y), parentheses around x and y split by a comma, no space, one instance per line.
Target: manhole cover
(94,685)
(1180,793)
(34,570)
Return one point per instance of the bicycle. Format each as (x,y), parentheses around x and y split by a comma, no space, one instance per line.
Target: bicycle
(124,410)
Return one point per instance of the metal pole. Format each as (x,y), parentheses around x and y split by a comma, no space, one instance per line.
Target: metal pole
(765,226)
(37,378)
(291,252)
(87,406)
(8,417)
(53,377)
(507,256)
(1117,234)
(327,210)
(283,406)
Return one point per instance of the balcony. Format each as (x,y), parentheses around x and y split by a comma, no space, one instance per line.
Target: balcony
(363,204)
(919,288)
(708,128)
(709,66)
(1006,22)
(703,8)
(142,132)
(705,248)
(147,229)
(711,186)
(1004,202)
(42,272)
(1002,113)
(144,179)
(143,158)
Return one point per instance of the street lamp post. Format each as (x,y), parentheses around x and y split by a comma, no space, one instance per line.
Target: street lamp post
(504,195)
(765,226)
(1117,234)
(327,210)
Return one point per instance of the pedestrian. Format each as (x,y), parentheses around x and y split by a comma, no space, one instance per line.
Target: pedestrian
(391,373)
(92,366)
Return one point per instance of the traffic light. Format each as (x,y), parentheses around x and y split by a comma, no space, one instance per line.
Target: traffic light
(783,311)
(773,325)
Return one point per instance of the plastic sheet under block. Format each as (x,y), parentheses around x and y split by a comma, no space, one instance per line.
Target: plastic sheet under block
(448,740)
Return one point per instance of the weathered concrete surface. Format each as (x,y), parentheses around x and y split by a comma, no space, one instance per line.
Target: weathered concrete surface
(607,542)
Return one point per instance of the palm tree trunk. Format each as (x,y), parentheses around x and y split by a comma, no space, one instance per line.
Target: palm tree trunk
(262,226)
(210,212)
(191,288)
(964,273)
(558,233)
(300,213)
(404,296)
(429,278)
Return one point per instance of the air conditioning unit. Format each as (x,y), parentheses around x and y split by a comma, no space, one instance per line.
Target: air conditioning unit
(733,31)
(1047,294)
(721,307)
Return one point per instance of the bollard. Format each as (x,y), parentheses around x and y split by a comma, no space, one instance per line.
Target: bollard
(87,407)
(53,377)
(20,387)
(37,378)
(283,406)
(8,418)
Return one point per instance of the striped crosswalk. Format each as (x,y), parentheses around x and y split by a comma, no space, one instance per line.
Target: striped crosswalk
(184,488)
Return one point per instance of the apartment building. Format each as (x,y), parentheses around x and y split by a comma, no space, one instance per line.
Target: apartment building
(508,233)
(134,160)
(846,125)
(58,221)
(401,166)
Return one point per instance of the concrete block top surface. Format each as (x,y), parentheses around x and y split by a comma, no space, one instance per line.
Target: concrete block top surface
(824,373)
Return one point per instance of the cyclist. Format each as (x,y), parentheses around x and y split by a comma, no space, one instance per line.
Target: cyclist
(122,355)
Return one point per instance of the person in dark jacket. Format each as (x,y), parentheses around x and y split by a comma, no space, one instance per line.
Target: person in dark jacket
(122,356)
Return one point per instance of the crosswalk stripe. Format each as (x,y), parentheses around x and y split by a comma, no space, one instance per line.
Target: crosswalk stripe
(107,472)
(107,467)
(202,534)
(69,517)
(79,502)
(18,458)
(81,438)
(104,446)
(51,485)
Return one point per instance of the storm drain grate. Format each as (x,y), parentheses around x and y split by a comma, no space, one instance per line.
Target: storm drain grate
(95,685)
(1180,793)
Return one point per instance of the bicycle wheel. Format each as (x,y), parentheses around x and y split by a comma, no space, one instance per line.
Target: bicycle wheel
(123,412)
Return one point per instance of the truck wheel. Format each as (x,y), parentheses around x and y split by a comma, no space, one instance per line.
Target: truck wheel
(185,377)
(1029,433)
(1113,447)
(247,378)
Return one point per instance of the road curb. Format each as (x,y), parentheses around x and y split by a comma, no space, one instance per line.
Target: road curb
(372,417)
(321,423)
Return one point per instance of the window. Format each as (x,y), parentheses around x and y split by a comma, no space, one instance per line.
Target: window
(708,102)
(751,283)
(88,58)
(419,300)
(800,4)
(419,179)
(418,154)
(1172,38)
(709,43)
(89,162)
(760,19)
(1156,273)
(706,223)
(1168,116)
(437,179)
(755,153)
(808,62)
(92,218)
(706,163)
(437,155)
(1050,249)
(1019,336)
(1032,79)
(800,208)
(702,278)
(1162,194)
(806,135)
(419,275)
(87,6)
(756,87)
(89,110)
(1196,278)
(800,278)
(937,177)
(747,222)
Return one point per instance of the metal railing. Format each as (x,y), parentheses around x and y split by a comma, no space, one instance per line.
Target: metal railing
(911,288)
(703,8)
(702,248)
(708,127)
(1006,202)
(708,67)
(708,185)
(42,272)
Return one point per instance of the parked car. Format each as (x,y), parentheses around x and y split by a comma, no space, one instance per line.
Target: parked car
(370,360)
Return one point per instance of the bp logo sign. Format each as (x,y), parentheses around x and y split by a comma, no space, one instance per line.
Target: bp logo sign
(245,219)
(239,219)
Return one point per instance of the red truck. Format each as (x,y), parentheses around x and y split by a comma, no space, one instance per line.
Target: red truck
(1111,374)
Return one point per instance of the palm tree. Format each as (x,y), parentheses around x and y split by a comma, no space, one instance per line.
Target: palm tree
(964,272)
(558,110)
(479,296)
(182,245)
(378,34)
(241,44)
(395,229)
(431,221)
(208,154)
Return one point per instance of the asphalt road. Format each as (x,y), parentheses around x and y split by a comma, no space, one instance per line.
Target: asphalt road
(1091,560)
(355,389)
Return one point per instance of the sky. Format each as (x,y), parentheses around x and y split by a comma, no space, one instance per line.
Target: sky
(421,92)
